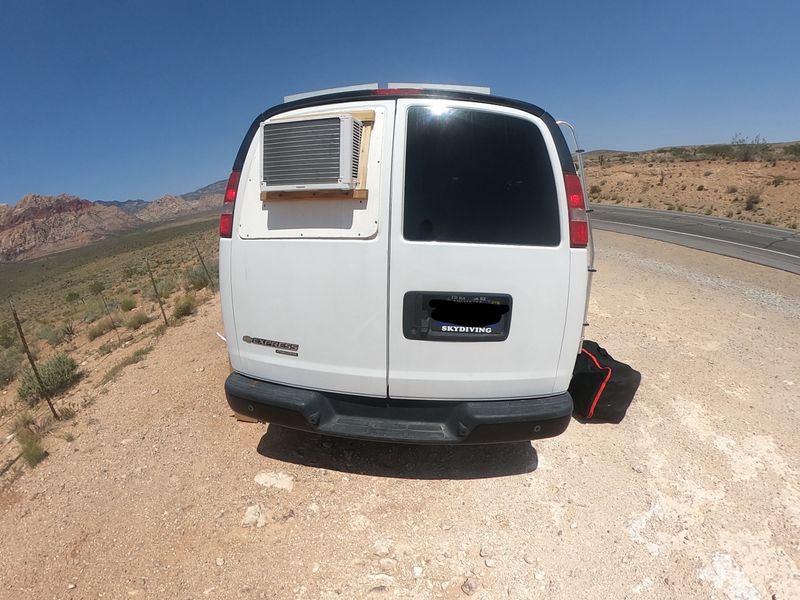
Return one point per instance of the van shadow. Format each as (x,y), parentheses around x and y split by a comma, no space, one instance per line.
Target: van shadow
(397,460)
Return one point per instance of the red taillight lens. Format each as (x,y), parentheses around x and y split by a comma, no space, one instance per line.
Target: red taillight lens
(226,218)
(578,221)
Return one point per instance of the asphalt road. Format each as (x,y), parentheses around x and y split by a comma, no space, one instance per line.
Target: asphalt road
(762,244)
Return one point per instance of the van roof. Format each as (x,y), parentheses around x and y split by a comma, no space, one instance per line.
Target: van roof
(353,95)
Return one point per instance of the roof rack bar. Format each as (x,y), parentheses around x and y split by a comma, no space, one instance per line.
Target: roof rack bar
(475,89)
(347,88)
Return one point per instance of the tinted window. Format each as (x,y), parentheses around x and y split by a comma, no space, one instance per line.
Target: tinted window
(478,177)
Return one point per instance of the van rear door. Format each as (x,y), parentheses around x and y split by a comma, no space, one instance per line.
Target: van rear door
(309,273)
(480,257)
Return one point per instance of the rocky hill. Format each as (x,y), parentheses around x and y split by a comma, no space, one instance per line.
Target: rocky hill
(40,225)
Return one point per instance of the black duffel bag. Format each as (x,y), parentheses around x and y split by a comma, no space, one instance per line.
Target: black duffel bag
(602,388)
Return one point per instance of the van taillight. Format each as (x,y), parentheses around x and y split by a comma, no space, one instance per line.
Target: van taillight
(226,217)
(578,221)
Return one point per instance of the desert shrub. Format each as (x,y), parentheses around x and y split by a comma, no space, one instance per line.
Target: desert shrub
(777,180)
(9,365)
(128,304)
(718,150)
(731,189)
(92,312)
(54,337)
(134,358)
(68,330)
(793,150)
(8,334)
(136,320)
(29,438)
(57,374)
(747,149)
(184,306)
(72,297)
(701,187)
(595,189)
(195,278)
(165,286)
(102,326)
(107,348)
(96,287)
(752,201)
(707,173)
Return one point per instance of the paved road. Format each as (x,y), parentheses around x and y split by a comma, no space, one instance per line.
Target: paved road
(762,244)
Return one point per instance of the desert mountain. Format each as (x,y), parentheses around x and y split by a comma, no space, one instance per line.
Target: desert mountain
(40,225)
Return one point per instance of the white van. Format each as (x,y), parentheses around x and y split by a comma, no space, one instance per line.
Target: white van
(407,264)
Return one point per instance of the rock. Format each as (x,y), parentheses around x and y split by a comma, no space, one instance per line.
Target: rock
(126,441)
(388,565)
(153,392)
(470,586)
(490,562)
(252,516)
(220,562)
(417,572)
(382,547)
(486,551)
(529,558)
(71,586)
(281,480)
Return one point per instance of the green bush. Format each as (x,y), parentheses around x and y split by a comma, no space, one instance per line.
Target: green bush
(68,330)
(92,312)
(102,326)
(128,304)
(136,320)
(54,337)
(793,150)
(165,286)
(27,434)
(752,201)
(8,334)
(184,306)
(9,365)
(195,279)
(57,374)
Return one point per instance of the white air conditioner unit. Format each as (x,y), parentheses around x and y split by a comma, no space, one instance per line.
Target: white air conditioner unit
(311,154)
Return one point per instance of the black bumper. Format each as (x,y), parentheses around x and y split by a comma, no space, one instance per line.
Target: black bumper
(404,421)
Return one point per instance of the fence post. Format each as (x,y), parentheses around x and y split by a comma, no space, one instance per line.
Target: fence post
(44,392)
(155,290)
(202,262)
(110,318)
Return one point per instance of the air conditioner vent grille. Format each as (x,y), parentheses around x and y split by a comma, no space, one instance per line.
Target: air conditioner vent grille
(311,154)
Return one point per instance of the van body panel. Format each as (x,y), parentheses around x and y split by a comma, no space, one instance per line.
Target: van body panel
(536,277)
(318,286)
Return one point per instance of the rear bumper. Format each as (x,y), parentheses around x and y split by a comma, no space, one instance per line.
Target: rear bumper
(403,421)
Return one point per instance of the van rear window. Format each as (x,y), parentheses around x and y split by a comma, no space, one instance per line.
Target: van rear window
(478,177)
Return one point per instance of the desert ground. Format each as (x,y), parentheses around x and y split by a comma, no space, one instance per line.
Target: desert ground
(761,191)
(696,494)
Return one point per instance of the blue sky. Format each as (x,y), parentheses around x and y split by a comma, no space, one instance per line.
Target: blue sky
(112,100)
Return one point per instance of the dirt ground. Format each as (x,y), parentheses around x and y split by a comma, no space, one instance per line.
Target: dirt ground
(712,187)
(695,494)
